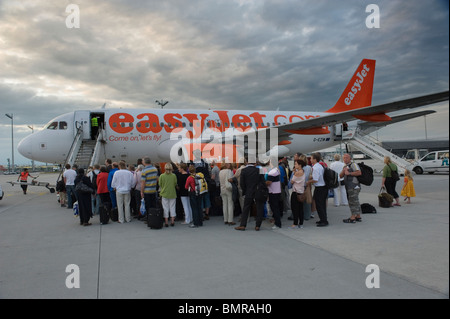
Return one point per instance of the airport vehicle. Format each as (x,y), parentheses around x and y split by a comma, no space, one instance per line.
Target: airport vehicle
(432,162)
(176,135)
(34,182)
(1,192)
(415,154)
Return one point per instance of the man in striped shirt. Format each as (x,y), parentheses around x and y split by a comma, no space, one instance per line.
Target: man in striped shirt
(149,180)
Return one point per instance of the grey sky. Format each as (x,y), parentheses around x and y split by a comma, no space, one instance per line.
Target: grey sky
(295,55)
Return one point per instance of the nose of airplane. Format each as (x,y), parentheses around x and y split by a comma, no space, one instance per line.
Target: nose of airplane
(25,147)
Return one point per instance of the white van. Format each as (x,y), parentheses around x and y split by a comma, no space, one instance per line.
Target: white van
(432,162)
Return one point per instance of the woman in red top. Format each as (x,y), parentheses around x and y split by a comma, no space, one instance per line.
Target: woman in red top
(103,192)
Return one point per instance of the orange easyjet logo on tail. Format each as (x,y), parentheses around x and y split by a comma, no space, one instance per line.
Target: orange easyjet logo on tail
(358,92)
(357,84)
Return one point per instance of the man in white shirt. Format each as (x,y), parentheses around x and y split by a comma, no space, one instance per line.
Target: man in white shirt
(122,182)
(274,184)
(320,190)
(338,166)
(69,179)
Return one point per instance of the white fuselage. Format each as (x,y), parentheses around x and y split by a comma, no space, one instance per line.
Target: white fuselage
(130,134)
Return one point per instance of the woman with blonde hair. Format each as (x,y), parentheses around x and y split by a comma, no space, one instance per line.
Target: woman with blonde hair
(389,181)
(168,192)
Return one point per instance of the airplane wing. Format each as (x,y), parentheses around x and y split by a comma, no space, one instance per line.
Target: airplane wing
(370,113)
(369,127)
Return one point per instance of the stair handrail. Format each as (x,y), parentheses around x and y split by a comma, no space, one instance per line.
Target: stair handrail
(98,145)
(74,148)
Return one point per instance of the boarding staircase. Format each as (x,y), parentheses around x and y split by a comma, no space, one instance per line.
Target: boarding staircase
(85,153)
(370,146)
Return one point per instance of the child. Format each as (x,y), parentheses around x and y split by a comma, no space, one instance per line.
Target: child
(408,187)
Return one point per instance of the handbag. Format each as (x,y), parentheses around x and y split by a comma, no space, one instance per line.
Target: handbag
(308,194)
(384,199)
(83,188)
(301,197)
(394,174)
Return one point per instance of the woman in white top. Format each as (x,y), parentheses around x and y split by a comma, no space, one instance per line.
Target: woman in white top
(298,187)
(226,192)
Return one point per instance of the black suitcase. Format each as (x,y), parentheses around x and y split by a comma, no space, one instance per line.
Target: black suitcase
(104,215)
(114,214)
(155,219)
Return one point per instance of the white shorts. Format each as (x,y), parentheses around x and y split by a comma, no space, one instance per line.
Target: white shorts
(169,207)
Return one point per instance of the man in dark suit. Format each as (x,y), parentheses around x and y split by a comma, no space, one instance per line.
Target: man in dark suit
(250,178)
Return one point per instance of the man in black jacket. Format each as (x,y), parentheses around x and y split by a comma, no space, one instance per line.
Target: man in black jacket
(250,178)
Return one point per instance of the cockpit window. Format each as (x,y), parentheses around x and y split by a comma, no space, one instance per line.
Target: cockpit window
(52,126)
(63,125)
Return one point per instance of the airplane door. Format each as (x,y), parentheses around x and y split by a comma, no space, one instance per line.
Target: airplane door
(83,118)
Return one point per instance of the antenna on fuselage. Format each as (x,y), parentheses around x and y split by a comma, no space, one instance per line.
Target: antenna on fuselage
(162,103)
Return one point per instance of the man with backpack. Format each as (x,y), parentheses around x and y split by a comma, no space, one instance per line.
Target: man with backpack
(350,173)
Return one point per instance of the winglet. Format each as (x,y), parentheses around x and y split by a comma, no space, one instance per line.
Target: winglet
(358,93)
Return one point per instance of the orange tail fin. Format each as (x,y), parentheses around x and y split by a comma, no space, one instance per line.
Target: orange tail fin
(358,92)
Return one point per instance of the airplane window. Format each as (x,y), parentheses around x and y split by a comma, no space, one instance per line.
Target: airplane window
(176,124)
(208,124)
(63,125)
(52,126)
(184,124)
(162,124)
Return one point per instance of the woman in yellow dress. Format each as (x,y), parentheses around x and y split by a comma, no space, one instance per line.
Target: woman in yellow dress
(408,187)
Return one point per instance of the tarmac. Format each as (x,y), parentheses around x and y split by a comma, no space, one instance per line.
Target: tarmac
(409,245)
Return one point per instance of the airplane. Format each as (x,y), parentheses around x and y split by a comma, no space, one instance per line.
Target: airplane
(182,135)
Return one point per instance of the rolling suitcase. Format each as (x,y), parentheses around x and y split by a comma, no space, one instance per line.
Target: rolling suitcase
(155,217)
(114,214)
(104,215)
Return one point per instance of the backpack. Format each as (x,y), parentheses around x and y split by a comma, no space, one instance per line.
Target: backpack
(262,191)
(366,177)
(368,209)
(330,177)
(60,186)
(200,184)
(94,180)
